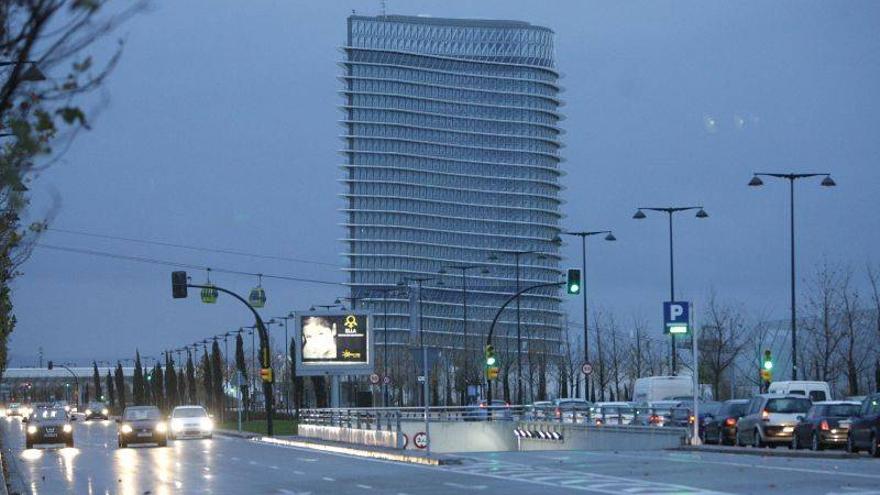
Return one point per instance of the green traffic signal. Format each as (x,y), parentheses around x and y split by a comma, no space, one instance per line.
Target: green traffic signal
(573,283)
(490,356)
(768,360)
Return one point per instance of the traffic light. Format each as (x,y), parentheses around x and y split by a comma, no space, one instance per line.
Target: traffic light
(573,285)
(266,375)
(178,284)
(767,367)
(768,361)
(492,374)
(490,356)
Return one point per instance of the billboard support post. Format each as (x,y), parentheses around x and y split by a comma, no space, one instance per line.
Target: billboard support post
(335,401)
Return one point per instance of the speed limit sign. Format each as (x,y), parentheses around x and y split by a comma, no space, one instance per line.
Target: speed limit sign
(420,440)
(374,379)
(587,369)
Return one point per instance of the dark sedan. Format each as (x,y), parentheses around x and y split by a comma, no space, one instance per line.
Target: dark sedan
(864,430)
(142,424)
(96,410)
(720,428)
(48,426)
(821,427)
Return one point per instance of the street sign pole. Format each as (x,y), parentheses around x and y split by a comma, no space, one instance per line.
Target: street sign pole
(695,439)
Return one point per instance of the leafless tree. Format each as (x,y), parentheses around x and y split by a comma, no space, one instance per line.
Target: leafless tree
(724,335)
(822,322)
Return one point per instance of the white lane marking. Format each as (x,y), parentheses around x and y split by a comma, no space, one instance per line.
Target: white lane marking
(273,467)
(365,487)
(461,486)
(692,460)
(235,459)
(298,472)
(252,463)
(288,492)
(327,478)
(599,483)
(308,459)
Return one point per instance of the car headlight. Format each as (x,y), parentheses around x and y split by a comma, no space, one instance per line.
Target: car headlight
(2,412)
(67,428)
(207,424)
(126,428)
(67,408)
(31,429)
(104,411)
(161,427)
(88,412)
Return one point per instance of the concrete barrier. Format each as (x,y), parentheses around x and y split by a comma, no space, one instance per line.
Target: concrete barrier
(371,438)
(599,438)
(463,436)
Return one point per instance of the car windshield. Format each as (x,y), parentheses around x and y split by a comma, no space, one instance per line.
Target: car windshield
(50,414)
(788,406)
(139,414)
(736,409)
(844,410)
(710,408)
(189,412)
(96,406)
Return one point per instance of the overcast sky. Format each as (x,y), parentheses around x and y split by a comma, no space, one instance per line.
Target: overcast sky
(220,128)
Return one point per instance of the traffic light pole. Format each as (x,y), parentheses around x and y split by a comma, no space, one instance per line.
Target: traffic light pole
(265,356)
(495,320)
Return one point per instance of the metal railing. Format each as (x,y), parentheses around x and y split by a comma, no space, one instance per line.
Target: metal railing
(389,418)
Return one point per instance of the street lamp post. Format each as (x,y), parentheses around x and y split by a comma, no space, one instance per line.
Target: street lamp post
(827,181)
(466,347)
(670,210)
(287,385)
(583,235)
(517,255)
(385,291)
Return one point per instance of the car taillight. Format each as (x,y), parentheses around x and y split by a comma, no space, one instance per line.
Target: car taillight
(730,422)
(824,425)
(654,419)
(765,415)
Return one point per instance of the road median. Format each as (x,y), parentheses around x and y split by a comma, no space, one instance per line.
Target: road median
(358,451)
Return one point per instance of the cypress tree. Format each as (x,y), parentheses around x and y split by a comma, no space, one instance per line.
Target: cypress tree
(138,381)
(191,396)
(217,378)
(158,386)
(207,382)
(96,379)
(120,386)
(241,367)
(111,395)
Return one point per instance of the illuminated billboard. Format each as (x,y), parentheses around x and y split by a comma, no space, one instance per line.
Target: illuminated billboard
(333,343)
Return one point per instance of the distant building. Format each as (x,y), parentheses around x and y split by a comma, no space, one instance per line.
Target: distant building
(451,158)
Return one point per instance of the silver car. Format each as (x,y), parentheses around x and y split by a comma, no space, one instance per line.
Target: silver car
(770,420)
(191,422)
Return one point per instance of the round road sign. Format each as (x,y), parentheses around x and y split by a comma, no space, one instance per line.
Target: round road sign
(420,440)
(587,369)
(386,380)
(374,379)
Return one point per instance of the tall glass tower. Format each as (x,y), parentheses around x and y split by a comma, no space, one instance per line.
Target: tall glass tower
(451,160)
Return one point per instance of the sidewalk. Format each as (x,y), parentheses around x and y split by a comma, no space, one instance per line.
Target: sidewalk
(347,449)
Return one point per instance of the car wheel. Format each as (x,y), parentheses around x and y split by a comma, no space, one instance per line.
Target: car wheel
(816,444)
(122,444)
(756,441)
(850,445)
(875,449)
(28,445)
(163,443)
(794,443)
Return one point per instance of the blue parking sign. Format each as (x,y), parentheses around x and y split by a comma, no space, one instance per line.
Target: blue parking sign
(676,317)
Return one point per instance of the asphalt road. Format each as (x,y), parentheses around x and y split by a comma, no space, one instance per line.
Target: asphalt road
(237,466)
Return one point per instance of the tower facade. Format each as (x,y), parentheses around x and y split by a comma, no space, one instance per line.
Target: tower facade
(451,174)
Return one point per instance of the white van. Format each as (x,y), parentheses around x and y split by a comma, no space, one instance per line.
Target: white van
(815,391)
(654,388)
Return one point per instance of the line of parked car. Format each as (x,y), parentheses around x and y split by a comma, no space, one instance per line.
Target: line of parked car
(52,424)
(797,414)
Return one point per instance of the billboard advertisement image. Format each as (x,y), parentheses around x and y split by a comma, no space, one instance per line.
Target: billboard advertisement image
(333,343)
